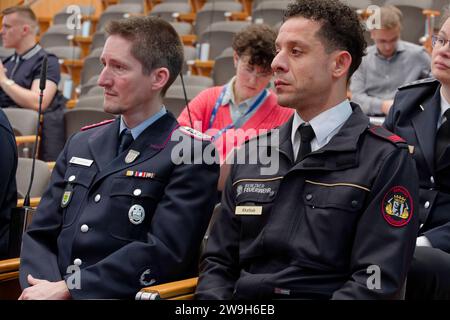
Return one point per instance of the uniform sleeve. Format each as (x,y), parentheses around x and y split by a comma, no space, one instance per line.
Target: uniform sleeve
(173,241)
(53,69)
(8,164)
(39,250)
(219,269)
(380,245)
(199,112)
(369,104)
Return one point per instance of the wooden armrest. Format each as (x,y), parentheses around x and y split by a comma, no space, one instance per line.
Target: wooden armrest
(187,17)
(238,16)
(9,269)
(9,265)
(34,202)
(202,68)
(177,290)
(25,139)
(429,13)
(71,103)
(188,39)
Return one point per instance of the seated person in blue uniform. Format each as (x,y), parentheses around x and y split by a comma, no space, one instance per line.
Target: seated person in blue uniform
(19,77)
(421,115)
(8,190)
(337,220)
(123,210)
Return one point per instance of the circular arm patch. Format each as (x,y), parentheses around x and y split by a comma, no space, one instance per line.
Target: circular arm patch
(397,206)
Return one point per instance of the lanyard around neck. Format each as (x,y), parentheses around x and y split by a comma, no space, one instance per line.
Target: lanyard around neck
(255,105)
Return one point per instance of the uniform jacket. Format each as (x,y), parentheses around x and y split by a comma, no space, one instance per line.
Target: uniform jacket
(92,227)
(414,117)
(8,190)
(319,228)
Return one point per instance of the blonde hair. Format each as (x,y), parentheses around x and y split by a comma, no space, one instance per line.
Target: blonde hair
(391,17)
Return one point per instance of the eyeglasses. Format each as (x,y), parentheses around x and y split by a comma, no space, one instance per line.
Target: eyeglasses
(437,41)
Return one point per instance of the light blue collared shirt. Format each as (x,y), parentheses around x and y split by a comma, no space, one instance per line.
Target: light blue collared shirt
(325,125)
(237,111)
(444,106)
(136,131)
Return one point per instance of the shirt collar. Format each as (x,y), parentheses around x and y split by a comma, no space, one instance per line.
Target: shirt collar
(400,48)
(444,106)
(325,123)
(30,52)
(136,131)
(228,97)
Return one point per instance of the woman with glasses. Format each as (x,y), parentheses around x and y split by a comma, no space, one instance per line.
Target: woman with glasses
(421,115)
(244,107)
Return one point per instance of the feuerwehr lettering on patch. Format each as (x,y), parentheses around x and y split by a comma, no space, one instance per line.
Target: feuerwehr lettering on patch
(397,206)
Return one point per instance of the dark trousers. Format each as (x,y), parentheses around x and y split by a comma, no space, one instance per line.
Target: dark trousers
(429,275)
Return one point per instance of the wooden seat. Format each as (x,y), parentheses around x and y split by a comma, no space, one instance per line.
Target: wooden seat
(9,279)
(177,290)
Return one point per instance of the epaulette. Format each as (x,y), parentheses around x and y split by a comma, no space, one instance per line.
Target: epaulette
(96,124)
(195,133)
(417,83)
(386,135)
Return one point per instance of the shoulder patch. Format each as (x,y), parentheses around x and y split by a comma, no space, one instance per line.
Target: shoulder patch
(386,134)
(418,83)
(195,133)
(397,206)
(96,124)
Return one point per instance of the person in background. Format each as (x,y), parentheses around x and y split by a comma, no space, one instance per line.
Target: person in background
(389,64)
(337,220)
(244,102)
(123,210)
(20,73)
(420,115)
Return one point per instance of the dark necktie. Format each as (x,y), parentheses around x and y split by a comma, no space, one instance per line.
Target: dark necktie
(125,141)
(442,138)
(306,135)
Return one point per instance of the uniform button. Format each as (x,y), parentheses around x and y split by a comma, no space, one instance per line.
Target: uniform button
(97,198)
(137,192)
(77,262)
(427,204)
(309,197)
(72,178)
(84,228)
(432,179)
(354,203)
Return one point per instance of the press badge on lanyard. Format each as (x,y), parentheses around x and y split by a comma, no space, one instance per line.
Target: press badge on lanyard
(255,105)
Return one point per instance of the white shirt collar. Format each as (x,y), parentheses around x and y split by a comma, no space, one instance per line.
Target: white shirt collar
(444,106)
(325,125)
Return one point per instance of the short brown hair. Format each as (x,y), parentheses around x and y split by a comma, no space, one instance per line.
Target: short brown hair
(23,11)
(257,41)
(155,44)
(341,29)
(391,17)
(445,15)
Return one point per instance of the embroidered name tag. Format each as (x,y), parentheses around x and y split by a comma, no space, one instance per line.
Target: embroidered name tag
(248,211)
(81,161)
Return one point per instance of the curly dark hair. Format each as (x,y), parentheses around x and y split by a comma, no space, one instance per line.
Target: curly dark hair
(257,41)
(156,44)
(341,28)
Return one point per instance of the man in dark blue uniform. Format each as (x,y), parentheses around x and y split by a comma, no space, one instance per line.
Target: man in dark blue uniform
(19,77)
(8,190)
(338,219)
(123,211)
(420,115)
